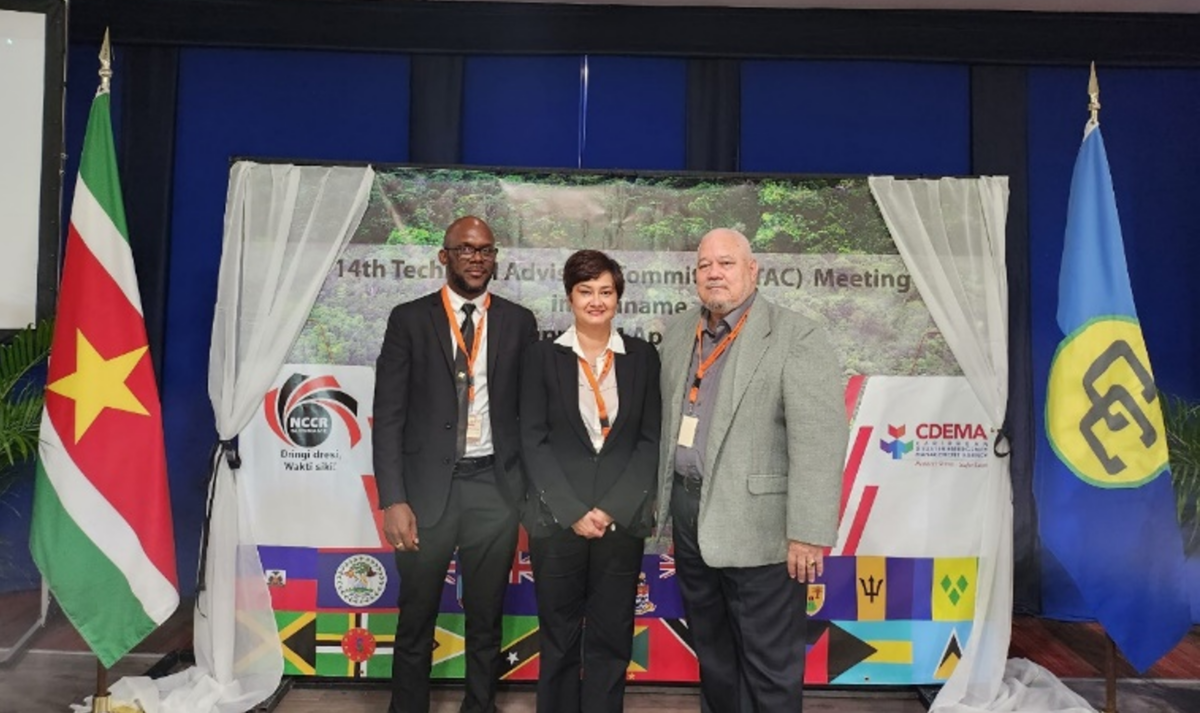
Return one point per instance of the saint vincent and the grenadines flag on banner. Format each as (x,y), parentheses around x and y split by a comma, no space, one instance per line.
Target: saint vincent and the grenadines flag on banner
(1107,506)
(101,532)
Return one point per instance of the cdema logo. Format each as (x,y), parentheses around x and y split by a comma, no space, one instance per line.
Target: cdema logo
(939,443)
(896,447)
(303,411)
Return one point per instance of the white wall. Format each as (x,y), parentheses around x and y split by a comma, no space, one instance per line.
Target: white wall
(22,82)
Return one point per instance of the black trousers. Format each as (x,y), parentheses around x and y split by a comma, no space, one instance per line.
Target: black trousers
(748,624)
(480,523)
(586,591)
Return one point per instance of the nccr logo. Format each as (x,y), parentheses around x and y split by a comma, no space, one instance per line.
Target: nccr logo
(301,412)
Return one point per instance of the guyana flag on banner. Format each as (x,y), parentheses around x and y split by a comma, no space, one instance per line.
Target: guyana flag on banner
(101,532)
(449,647)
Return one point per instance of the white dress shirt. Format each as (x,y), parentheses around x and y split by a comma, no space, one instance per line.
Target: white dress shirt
(608,385)
(479,407)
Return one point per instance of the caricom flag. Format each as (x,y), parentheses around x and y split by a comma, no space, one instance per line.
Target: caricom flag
(1107,507)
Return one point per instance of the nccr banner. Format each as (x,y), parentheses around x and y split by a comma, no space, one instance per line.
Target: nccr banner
(896,603)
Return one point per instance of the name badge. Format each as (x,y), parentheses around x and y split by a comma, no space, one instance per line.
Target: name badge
(474,428)
(687,431)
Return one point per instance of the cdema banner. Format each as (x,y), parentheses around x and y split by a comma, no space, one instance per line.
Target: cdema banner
(897,600)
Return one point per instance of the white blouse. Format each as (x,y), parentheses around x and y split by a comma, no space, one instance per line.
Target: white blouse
(608,385)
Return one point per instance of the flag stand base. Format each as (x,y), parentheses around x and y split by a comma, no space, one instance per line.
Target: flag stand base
(100,704)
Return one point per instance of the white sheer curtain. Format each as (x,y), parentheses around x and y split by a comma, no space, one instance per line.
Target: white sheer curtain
(284,227)
(950,233)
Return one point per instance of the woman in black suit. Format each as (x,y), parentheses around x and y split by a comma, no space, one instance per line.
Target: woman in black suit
(590,415)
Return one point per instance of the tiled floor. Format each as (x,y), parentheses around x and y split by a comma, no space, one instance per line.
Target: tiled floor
(50,681)
(56,671)
(522,701)
(43,681)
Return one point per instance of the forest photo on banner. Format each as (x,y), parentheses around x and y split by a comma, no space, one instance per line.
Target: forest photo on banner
(897,600)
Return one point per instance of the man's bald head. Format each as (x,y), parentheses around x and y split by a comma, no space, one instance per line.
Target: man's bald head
(729,238)
(461,227)
(469,254)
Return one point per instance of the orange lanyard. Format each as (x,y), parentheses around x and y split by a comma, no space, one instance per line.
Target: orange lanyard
(462,343)
(601,409)
(706,364)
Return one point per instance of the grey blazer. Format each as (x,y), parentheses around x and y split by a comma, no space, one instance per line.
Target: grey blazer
(777,442)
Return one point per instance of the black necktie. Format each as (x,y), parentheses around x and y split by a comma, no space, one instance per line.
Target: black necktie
(464,376)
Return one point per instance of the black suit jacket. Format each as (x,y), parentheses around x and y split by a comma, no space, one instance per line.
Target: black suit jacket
(567,478)
(416,404)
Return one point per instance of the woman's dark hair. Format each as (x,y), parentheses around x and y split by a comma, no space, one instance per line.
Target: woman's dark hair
(587,265)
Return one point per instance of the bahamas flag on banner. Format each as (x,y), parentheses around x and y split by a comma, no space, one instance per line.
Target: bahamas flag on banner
(1108,502)
(101,532)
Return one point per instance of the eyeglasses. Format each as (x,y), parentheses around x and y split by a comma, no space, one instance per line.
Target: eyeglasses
(466,252)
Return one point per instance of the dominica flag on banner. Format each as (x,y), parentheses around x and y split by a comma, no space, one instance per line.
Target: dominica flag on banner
(1107,507)
(101,532)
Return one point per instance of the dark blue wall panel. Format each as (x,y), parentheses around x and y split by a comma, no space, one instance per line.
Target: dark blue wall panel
(522,111)
(294,105)
(635,113)
(1150,132)
(855,118)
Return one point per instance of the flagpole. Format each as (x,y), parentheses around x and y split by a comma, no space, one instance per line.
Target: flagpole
(105,64)
(1094,97)
(1110,652)
(100,700)
(1110,676)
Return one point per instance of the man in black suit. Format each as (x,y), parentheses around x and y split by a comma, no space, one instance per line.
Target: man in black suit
(447,460)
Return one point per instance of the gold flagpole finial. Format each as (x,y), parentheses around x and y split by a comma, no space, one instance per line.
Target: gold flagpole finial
(1094,96)
(105,64)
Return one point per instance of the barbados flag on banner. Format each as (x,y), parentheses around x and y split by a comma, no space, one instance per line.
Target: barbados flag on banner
(1107,504)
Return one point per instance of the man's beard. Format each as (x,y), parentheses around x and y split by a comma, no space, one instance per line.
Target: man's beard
(719,306)
(723,305)
(461,286)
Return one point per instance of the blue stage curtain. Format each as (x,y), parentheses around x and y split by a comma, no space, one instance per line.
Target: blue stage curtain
(855,117)
(250,103)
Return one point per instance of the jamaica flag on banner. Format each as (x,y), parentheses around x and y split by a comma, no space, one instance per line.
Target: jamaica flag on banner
(355,645)
(298,643)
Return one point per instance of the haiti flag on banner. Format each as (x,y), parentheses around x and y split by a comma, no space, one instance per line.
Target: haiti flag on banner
(101,532)
(1107,503)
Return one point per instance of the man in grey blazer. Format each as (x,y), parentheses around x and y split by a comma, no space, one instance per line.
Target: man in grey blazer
(753,446)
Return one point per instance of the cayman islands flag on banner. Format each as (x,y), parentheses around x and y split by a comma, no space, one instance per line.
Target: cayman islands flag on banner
(1109,493)
(101,532)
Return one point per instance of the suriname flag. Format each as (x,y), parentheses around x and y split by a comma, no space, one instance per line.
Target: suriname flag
(101,532)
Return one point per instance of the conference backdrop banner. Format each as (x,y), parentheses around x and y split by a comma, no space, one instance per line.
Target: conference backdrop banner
(897,599)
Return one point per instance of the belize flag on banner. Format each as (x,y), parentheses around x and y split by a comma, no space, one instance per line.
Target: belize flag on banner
(1107,507)
(101,532)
